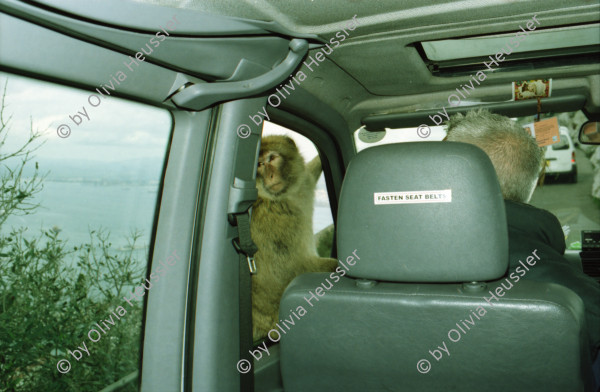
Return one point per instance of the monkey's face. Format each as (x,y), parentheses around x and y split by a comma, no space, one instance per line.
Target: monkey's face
(269,173)
(280,165)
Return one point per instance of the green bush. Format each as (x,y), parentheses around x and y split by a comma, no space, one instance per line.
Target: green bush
(51,296)
(48,308)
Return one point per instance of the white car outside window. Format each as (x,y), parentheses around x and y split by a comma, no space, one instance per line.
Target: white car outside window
(560,157)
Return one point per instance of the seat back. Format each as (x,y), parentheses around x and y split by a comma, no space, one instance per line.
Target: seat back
(420,300)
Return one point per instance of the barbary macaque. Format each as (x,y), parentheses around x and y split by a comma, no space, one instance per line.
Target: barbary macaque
(281,227)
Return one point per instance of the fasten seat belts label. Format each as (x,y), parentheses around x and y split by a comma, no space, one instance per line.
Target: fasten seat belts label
(414,197)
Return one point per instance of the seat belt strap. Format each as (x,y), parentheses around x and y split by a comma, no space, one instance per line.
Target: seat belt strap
(247,267)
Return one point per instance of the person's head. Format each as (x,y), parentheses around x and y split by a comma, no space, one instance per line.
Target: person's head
(515,155)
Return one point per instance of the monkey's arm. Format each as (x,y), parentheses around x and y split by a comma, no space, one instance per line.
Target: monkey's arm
(326,264)
(314,168)
(324,241)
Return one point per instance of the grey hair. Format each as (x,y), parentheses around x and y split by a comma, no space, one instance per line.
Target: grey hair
(515,155)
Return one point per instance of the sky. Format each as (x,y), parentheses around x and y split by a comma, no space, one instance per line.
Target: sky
(116,128)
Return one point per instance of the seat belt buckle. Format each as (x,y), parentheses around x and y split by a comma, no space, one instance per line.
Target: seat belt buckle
(251,264)
(249,259)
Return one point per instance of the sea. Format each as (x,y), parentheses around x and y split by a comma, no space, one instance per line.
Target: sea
(76,208)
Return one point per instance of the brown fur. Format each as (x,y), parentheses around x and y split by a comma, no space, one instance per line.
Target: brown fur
(281,227)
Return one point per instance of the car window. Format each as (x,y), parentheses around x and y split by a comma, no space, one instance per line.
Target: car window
(80,178)
(569,188)
(322,217)
(563,143)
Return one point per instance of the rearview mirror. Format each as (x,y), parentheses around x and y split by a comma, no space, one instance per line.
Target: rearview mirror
(589,133)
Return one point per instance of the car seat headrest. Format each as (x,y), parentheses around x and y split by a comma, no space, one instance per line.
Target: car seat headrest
(423,212)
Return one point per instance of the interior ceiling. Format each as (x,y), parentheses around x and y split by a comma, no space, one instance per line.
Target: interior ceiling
(374,71)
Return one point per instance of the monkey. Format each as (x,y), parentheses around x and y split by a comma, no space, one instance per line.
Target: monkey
(281,227)
(324,240)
